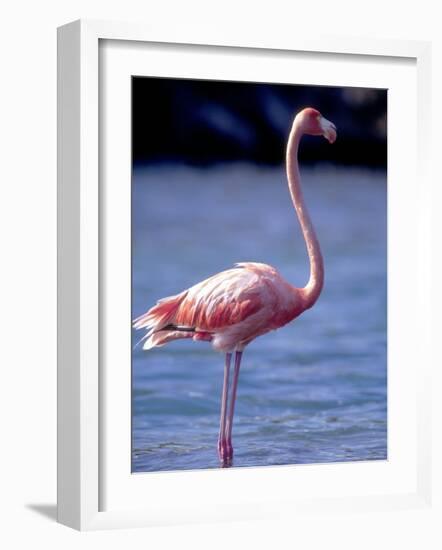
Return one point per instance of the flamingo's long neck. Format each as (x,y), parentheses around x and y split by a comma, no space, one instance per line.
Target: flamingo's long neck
(314,286)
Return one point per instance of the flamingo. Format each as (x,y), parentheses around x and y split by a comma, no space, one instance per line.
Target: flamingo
(233,307)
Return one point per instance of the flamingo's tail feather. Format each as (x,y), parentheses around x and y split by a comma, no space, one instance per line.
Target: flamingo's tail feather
(158,339)
(157,319)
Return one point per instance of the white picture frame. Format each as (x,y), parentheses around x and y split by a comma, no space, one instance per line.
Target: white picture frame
(80,437)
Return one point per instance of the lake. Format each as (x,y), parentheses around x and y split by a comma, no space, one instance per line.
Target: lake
(314,391)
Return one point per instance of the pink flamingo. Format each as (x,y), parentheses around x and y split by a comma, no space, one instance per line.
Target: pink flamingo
(234,307)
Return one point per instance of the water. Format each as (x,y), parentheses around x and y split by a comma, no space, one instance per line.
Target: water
(314,391)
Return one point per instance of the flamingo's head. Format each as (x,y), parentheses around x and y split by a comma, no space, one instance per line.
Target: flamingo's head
(314,124)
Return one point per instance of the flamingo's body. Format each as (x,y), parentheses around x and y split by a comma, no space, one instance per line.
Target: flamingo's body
(233,307)
(229,309)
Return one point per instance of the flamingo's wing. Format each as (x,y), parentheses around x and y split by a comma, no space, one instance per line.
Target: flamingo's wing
(222,300)
(216,304)
(219,301)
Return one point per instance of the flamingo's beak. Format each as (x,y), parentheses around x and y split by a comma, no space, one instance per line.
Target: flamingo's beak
(328,129)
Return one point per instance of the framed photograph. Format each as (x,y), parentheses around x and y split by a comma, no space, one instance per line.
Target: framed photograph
(239,232)
(204,175)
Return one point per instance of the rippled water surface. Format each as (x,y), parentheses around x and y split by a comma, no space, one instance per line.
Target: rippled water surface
(314,391)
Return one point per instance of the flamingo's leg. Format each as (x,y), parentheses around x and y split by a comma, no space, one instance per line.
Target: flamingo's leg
(222,447)
(229,425)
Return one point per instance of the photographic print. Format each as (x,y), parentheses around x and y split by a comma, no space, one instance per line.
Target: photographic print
(259,274)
